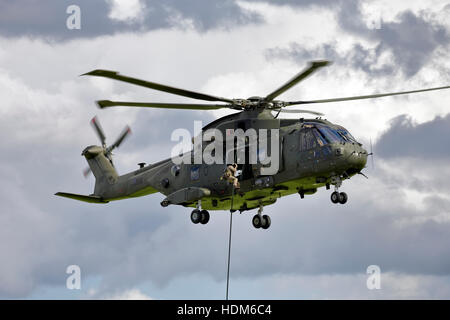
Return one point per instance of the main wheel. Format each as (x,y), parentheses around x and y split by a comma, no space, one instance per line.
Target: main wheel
(257,221)
(335,197)
(204,217)
(266,222)
(343,198)
(196,216)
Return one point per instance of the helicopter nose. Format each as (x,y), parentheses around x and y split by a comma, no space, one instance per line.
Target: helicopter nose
(357,158)
(354,157)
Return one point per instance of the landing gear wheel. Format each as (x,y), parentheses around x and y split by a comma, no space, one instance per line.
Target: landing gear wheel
(196,216)
(266,222)
(343,198)
(204,217)
(256,221)
(335,197)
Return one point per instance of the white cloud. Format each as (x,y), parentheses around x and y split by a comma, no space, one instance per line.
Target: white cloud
(130,294)
(389,10)
(126,10)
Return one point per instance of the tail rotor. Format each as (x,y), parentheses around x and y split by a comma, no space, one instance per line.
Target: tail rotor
(107,150)
(125,132)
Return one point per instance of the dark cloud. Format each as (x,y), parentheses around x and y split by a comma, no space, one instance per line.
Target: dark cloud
(418,154)
(404,138)
(47,18)
(355,237)
(207,14)
(302,3)
(412,39)
(357,58)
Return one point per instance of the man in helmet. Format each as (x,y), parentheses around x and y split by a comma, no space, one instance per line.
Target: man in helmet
(230,171)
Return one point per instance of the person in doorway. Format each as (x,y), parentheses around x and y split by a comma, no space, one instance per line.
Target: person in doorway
(229,175)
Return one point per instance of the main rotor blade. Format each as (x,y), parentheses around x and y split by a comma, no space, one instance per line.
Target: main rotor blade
(300,111)
(156,86)
(98,129)
(194,106)
(364,97)
(120,139)
(313,66)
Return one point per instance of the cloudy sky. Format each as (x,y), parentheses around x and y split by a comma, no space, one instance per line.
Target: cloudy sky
(398,219)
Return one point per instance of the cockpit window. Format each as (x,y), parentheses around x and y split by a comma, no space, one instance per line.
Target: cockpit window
(336,135)
(307,139)
(312,137)
(321,140)
(347,136)
(330,134)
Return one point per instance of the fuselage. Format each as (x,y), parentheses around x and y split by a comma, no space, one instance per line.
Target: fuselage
(312,154)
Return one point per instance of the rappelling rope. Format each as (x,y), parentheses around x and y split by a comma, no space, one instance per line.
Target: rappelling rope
(229,240)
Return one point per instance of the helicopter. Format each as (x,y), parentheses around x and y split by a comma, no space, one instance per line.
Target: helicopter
(311,153)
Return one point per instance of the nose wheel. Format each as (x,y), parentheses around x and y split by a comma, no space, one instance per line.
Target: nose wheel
(339,197)
(260,220)
(336,196)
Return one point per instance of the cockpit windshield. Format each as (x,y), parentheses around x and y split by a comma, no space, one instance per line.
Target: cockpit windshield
(336,135)
(330,134)
(318,135)
(347,136)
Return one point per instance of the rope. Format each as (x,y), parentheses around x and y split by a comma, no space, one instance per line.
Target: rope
(229,240)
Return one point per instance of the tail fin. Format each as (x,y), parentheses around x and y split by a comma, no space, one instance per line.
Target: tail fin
(102,168)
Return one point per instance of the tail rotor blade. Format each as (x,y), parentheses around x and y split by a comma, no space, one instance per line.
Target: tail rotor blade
(120,139)
(98,129)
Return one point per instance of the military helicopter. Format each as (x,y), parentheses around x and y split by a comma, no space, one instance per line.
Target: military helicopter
(312,153)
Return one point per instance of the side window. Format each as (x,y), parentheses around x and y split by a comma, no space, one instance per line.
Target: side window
(302,142)
(310,139)
(195,172)
(307,139)
(319,137)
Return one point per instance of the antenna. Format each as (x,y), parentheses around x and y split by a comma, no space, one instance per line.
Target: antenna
(371,154)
